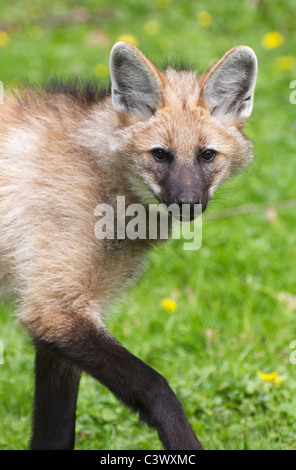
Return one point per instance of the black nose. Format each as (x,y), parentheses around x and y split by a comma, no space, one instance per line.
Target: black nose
(189,201)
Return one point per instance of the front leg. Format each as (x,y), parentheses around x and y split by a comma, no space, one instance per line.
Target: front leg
(93,349)
(56,388)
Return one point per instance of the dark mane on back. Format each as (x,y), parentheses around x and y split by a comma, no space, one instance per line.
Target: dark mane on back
(85,92)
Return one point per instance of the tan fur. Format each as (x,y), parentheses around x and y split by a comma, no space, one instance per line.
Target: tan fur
(58,160)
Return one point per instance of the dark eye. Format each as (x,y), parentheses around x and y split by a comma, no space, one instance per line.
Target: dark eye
(160,155)
(208,154)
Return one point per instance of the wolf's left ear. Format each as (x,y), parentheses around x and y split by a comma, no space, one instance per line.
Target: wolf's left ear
(227,89)
(137,84)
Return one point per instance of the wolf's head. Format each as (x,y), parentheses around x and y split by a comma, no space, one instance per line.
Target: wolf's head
(182,134)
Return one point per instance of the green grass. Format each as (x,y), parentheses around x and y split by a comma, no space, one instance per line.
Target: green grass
(231,321)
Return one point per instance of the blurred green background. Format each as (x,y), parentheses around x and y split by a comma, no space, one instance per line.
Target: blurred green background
(222,338)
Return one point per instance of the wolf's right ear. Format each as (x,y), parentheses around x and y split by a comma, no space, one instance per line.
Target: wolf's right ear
(137,84)
(227,89)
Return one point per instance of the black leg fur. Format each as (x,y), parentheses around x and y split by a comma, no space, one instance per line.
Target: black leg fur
(137,385)
(56,387)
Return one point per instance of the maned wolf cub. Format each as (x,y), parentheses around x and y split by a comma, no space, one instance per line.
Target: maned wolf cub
(155,136)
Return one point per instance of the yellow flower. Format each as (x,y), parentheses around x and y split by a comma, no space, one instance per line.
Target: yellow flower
(128,38)
(101,70)
(272,40)
(273,377)
(204,18)
(285,62)
(151,27)
(169,305)
(267,377)
(4,39)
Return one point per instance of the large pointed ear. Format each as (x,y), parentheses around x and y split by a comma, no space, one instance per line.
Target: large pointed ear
(137,85)
(227,89)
